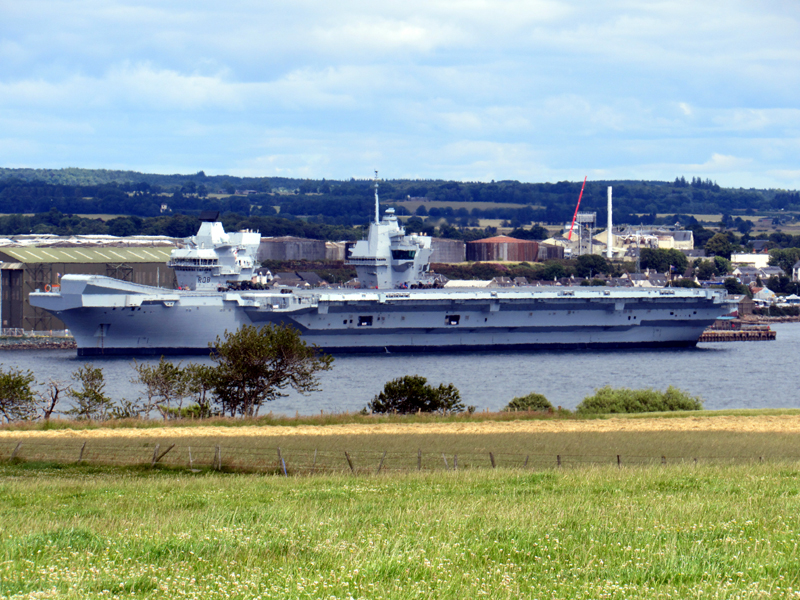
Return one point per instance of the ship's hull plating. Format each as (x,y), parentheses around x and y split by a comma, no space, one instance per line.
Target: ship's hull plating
(108,317)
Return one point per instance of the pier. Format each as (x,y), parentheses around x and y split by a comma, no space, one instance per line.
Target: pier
(740,335)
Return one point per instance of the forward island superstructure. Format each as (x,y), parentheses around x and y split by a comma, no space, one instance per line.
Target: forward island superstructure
(397,308)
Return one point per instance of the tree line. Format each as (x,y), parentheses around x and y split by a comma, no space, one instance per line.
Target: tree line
(251,366)
(349,202)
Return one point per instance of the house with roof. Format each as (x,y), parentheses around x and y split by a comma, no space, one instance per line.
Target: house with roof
(768,272)
(764,296)
(753,259)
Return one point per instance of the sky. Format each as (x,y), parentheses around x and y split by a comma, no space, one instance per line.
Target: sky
(469,90)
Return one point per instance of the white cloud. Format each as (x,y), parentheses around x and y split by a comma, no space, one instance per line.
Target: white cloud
(472,89)
(720,163)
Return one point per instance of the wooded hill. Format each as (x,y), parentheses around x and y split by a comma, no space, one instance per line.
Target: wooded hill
(350,203)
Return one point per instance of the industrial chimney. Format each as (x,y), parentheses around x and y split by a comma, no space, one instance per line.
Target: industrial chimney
(609,247)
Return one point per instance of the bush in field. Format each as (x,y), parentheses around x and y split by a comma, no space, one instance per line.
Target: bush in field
(89,400)
(623,400)
(165,385)
(17,401)
(531,402)
(411,393)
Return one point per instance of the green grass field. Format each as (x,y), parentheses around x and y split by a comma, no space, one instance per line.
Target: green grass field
(658,532)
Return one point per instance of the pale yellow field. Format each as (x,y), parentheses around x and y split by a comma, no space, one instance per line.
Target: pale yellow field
(756,424)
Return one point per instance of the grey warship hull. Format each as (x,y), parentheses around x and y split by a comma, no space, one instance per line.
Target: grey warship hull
(111,317)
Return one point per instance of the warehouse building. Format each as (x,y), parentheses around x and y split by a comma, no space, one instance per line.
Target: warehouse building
(503,248)
(24,270)
(291,248)
(445,250)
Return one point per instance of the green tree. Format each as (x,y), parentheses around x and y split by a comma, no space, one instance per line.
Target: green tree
(719,245)
(663,260)
(89,400)
(733,286)
(589,265)
(705,269)
(553,270)
(722,265)
(784,258)
(531,402)
(17,400)
(165,384)
(411,394)
(254,365)
(199,386)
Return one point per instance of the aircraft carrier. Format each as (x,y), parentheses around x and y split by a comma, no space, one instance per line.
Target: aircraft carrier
(396,309)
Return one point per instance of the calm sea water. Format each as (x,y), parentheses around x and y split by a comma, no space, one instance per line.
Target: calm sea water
(725,375)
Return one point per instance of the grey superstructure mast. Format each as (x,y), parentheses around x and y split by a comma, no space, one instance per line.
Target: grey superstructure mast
(377,204)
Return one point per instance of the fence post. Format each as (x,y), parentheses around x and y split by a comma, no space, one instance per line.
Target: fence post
(80,456)
(619,462)
(419,460)
(491,458)
(558,460)
(455,462)
(380,465)
(282,463)
(155,454)
(663,459)
(158,457)
(191,462)
(314,464)
(527,456)
(446,467)
(217,458)
(349,462)
(16,449)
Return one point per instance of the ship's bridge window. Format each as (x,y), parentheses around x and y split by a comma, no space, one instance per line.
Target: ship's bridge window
(403,254)
(365,321)
(452,319)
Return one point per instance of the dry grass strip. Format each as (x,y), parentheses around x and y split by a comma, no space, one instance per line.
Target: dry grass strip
(784,424)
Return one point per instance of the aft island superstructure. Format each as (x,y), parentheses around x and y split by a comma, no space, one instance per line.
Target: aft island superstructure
(396,310)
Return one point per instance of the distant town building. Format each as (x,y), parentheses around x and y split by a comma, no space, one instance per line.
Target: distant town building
(758,260)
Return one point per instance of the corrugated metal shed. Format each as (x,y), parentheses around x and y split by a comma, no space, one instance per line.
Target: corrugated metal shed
(156,254)
(448,251)
(291,248)
(503,248)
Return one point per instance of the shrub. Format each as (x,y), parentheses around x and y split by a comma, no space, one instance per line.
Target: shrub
(17,401)
(411,393)
(90,402)
(623,400)
(531,402)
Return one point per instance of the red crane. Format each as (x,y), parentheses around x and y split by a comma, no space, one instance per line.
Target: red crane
(575,216)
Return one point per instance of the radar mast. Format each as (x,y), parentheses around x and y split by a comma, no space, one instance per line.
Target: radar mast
(377,207)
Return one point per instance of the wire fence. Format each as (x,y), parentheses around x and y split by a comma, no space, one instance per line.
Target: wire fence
(307,461)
